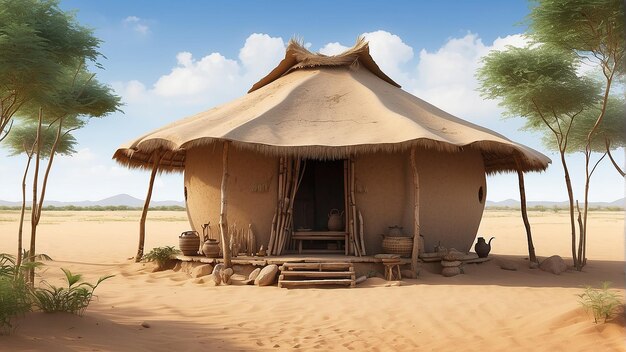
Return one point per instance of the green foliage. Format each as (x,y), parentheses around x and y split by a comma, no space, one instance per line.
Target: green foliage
(39,43)
(15,293)
(539,83)
(161,255)
(603,302)
(38,257)
(23,137)
(611,130)
(583,26)
(74,298)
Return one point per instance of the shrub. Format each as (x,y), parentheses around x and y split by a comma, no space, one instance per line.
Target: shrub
(603,302)
(15,297)
(71,299)
(161,255)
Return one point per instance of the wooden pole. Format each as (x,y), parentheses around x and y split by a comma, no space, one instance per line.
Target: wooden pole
(144,212)
(223,207)
(346,197)
(353,210)
(416,211)
(522,193)
(362,233)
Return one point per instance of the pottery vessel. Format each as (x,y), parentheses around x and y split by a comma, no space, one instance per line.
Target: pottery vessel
(483,248)
(211,248)
(335,220)
(395,231)
(189,242)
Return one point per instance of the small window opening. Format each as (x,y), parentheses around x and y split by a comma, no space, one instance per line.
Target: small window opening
(481,194)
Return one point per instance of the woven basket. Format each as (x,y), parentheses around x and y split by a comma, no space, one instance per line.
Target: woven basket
(402,246)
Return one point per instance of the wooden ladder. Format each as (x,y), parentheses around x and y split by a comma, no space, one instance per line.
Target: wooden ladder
(301,274)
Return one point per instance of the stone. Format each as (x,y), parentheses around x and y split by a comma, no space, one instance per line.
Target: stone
(267,276)
(226,275)
(202,270)
(198,280)
(448,263)
(533,265)
(187,267)
(254,274)
(450,271)
(218,267)
(508,265)
(360,279)
(145,324)
(394,284)
(555,264)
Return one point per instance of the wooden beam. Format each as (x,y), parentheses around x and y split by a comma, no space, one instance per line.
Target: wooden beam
(522,193)
(416,210)
(223,207)
(144,212)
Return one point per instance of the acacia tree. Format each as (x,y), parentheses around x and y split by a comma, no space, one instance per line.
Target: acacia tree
(22,140)
(541,82)
(541,85)
(36,37)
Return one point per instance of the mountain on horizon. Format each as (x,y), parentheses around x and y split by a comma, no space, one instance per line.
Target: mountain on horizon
(512,203)
(116,200)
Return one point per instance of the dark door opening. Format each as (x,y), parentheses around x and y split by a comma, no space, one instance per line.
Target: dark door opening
(321,190)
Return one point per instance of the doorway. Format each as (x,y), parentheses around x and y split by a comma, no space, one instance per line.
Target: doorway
(321,190)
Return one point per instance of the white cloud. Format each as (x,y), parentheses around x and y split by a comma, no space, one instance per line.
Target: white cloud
(211,79)
(446,77)
(138,25)
(332,49)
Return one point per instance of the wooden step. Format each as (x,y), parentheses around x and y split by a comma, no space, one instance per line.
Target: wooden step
(316,266)
(318,273)
(283,283)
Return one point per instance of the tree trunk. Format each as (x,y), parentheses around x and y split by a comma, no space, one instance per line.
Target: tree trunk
(570,195)
(22,212)
(529,237)
(617,167)
(144,212)
(223,207)
(33,211)
(416,211)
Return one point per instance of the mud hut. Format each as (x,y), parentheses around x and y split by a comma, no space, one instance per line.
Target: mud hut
(332,132)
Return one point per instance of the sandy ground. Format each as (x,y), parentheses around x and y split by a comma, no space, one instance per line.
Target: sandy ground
(486,309)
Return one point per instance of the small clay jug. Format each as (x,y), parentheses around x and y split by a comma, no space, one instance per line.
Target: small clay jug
(335,220)
(211,248)
(483,248)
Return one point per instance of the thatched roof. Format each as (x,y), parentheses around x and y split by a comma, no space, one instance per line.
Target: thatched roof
(328,107)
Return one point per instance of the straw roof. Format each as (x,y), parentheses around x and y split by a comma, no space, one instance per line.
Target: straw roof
(327,107)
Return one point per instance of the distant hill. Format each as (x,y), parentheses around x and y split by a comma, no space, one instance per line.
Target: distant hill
(512,203)
(117,200)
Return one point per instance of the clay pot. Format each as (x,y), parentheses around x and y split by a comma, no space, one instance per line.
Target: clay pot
(395,231)
(335,220)
(483,248)
(189,242)
(211,248)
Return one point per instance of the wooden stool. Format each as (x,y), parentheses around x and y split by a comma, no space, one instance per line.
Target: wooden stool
(390,265)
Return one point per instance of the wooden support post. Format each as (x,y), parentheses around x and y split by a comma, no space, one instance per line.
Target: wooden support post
(416,210)
(223,207)
(346,208)
(156,156)
(353,221)
(522,193)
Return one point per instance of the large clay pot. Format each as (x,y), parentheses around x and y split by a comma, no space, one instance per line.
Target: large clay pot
(211,248)
(189,242)
(335,220)
(483,248)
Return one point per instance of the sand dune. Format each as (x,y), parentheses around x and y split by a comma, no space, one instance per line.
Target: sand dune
(486,309)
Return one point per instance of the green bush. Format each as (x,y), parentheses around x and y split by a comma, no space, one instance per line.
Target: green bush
(603,302)
(161,255)
(71,299)
(15,293)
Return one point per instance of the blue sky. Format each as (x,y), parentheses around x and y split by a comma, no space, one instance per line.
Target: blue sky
(170,59)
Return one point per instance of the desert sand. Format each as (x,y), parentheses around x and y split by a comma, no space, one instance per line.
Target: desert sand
(485,309)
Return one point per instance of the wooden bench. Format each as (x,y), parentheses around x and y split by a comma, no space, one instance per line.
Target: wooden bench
(300,236)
